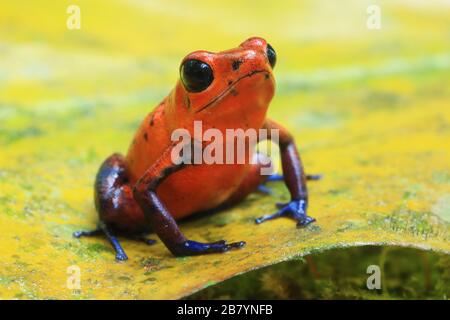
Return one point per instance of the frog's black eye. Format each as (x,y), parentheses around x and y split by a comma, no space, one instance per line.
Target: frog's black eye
(271,55)
(196,75)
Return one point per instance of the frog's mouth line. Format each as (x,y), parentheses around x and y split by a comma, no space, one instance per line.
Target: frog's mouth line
(227,90)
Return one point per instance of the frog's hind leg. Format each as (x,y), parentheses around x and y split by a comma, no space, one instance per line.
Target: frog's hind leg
(115,204)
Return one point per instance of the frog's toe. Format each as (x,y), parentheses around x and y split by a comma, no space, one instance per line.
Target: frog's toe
(223,246)
(121,256)
(84,233)
(236,245)
(78,234)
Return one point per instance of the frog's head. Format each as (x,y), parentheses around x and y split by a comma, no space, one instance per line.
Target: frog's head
(237,82)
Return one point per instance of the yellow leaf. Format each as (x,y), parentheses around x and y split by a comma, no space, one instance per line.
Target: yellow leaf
(369,110)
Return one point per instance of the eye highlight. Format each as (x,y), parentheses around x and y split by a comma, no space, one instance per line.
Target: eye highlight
(271,55)
(196,75)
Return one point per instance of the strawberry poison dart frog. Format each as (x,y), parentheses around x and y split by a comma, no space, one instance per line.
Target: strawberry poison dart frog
(147,191)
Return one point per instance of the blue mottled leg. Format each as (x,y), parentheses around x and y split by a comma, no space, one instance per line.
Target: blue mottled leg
(293,176)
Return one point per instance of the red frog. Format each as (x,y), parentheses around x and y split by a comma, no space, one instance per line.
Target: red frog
(146,191)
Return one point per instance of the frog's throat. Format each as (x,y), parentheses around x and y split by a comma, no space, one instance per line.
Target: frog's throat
(228,89)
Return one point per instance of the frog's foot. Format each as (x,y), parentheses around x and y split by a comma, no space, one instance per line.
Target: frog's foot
(192,248)
(295,209)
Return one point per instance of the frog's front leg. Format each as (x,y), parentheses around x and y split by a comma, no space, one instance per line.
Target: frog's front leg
(294,178)
(160,218)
